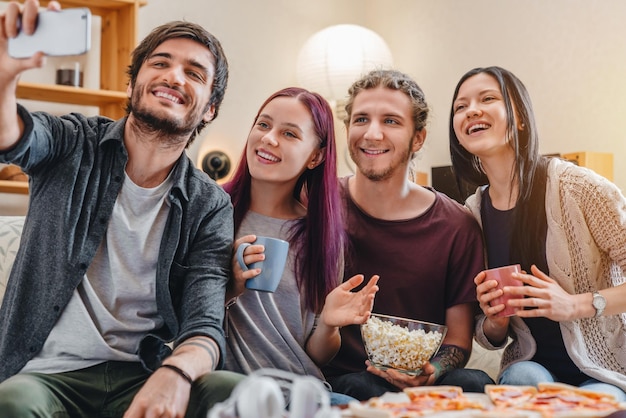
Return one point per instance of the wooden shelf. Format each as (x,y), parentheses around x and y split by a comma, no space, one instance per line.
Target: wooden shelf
(18,187)
(112,102)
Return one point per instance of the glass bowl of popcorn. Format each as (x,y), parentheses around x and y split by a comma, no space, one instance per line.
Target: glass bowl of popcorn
(399,343)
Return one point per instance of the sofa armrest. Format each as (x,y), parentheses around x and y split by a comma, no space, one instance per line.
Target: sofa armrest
(10,234)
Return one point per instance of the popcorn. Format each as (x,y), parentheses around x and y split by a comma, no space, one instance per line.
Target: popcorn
(396,346)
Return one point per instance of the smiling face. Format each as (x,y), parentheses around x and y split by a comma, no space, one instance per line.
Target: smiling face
(282,143)
(480,117)
(173,86)
(381,133)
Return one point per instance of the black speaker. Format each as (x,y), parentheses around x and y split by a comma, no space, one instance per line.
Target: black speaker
(216,164)
(443,180)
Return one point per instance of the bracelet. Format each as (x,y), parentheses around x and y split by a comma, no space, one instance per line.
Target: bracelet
(179,371)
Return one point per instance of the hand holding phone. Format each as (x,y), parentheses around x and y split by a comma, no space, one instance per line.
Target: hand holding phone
(58,33)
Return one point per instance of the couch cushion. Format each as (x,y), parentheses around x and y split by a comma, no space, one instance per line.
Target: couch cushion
(10,233)
(485,360)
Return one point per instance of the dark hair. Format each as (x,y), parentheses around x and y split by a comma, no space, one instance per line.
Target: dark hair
(181,29)
(395,80)
(529,171)
(318,238)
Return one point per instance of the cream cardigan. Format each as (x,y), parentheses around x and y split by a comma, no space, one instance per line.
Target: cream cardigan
(586,251)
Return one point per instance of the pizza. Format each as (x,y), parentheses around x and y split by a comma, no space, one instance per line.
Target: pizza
(507,396)
(441,398)
(552,400)
(548,400)
(416,402)
(376,408)
(558,399)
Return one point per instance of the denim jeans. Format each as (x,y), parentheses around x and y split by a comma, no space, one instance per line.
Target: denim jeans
(531,373)
(364,385)
(337,399)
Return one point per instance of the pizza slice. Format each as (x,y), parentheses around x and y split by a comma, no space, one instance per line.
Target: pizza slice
(416,402)
(564,391)
(441,398)
(561,400)
(437,392)
(508,396)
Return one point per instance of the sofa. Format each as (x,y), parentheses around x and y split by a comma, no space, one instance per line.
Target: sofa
(10,232)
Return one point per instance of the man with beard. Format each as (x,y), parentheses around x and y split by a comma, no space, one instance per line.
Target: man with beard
(425,247)
(126,246)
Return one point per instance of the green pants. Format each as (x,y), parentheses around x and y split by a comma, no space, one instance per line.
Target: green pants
(105,390)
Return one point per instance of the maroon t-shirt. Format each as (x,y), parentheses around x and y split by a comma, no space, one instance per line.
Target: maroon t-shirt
(426,265)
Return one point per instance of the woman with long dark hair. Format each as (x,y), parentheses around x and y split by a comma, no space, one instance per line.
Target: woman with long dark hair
(565,225)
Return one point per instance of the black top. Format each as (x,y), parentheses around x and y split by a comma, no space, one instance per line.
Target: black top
(551,352)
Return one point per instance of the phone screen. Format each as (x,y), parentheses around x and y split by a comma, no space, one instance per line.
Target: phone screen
(58,33)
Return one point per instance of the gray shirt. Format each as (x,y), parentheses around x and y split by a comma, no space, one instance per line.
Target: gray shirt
(76,168)
(270,330)
(110,327)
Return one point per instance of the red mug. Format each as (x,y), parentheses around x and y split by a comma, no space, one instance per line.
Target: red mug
(503,276)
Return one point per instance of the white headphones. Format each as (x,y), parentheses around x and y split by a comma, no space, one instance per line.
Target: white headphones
(263,394)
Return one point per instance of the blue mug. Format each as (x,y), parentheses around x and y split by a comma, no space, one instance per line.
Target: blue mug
(272,267)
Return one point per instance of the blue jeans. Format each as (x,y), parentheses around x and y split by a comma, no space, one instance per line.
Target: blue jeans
(337,399)
(530,373)
(364,385)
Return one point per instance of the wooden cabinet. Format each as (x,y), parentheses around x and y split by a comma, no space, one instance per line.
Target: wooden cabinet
(118,39)
(600,162)
(421,178)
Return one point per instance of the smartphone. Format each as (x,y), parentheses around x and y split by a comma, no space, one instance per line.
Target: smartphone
(58,33)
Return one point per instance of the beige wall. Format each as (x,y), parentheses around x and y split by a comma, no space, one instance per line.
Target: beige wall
(262,40)
(571,54)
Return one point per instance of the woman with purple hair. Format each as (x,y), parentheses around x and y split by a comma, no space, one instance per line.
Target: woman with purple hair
(286,187)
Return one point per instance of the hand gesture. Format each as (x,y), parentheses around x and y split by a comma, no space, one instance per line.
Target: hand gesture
(165,394)
(544,295)
(18,18)
(402,380)
(252,254)
(345,307)
(486,292)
